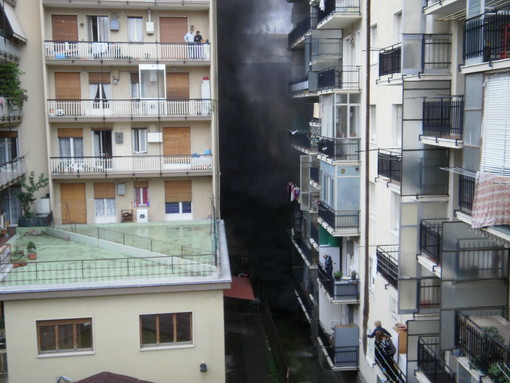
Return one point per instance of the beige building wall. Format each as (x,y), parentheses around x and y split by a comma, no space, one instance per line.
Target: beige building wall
(116,338)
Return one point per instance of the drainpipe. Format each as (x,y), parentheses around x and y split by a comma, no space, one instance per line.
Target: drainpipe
(366,282)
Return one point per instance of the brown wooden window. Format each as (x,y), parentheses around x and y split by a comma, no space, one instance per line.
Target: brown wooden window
(67,335)
(165,329)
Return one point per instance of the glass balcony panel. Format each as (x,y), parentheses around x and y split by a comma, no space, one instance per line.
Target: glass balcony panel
(421,173)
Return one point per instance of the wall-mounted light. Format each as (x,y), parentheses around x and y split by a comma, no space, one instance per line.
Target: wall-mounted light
(203,367)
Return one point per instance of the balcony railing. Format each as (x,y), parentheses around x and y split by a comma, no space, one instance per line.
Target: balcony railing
(339,291)
(132,108)
(342,7)
(346,78)
(303,139)
(298,86)
(342,356)
(11,171)
(73,166)
(300,30)
(389,165)
(8,111)
(484,346)
(466,193)
(387,263)
(429,295)
(487,37)
(302,245)
(430,362)
(431,233)
(443,118)
(339,149)
(125,51)
(390,60)
(339,219)
(326,49)
(434,55)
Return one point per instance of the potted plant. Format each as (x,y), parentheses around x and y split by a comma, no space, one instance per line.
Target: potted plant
(31,251)
(354,275)
(22,260)
(338,275)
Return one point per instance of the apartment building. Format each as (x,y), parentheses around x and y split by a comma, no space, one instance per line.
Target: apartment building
(130,125)
(432,242)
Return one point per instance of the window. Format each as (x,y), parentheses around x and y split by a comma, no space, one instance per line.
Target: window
(8,149)
(139,140)
(135,29)
(373,123)
(105,207)
(69,335)
(177,207)
(178,197)
(70,146)
(166,329)
(141,194)
(374,52)
(98,29)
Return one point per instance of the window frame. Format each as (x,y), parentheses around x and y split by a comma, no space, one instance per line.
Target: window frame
(175,342)
(64,322)
(137,134)
(138,194)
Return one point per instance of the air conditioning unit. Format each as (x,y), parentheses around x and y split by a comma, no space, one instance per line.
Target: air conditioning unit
(142,215)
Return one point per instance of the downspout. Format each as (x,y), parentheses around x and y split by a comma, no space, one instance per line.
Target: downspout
(366,239)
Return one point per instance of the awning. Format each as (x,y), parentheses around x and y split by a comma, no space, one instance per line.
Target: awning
(109,377)
(461,171)
(240,289)
(17,30)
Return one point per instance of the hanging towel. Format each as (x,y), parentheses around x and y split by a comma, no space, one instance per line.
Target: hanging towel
(491,204)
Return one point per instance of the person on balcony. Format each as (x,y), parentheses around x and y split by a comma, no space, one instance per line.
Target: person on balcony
(328,266)
(190,39)
(198,45)
(378,327)
(385,351)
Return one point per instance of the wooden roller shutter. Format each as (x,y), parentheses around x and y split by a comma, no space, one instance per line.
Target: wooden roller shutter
(173,29)
(141,184)
(7,134)
(67,86)
(177,86)
(73,206)
(178,191)
(64,27)
(134,78)
(70,132)
(99,77)
(176,141)
(104,190)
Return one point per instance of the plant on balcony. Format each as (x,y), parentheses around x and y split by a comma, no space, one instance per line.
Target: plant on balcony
(31,251)
(338,275)
(29,187)
(10,84)
(354,275)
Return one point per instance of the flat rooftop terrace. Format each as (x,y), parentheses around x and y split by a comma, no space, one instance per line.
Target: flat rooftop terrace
(117,255)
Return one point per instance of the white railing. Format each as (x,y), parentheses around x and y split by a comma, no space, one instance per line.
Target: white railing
(11,170)
(9,111)
(128,108)
(130,164)
(130,51)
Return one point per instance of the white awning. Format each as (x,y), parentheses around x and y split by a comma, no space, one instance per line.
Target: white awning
(17,30)
(461,171)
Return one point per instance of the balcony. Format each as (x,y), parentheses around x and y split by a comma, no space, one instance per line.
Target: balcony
(9,51)
(315,233)
(12,171)
(341,347)
(447,8)
(430,362)
(466,193)
(326,49)
(315,174)
(389,371)
(484,338)
(387,263)
(124,52)
(303,247)
(339,149)
(390,60)
(299,31)
(339,222)
(487,37)
(129,109)
(137,4)
(299,86)
(389,165)
(444,118)
(303,141)
(339,291)
(67,167)
(348,77)
(338,14)
(431,233)
(9,112)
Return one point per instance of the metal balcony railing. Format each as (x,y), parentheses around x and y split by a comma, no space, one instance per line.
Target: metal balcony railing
(326,49)
(9,112)
(303,139)
(298,86)
(484,347)
(487,36)
(343,7)
(347,355)
(444,118)
(390,60)
(299,30)
(125,51)
(73,166)
(389,165)
(11,171)
(387,263)
(339,291)
(429,295)
(130,108)
(339,219)
(431,232)
(390,369)
(435,53)
(466,193)
(339,149)
(348,77)
(430,362)
(302,244)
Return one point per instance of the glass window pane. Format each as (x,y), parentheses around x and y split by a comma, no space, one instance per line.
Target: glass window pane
(65,337)
(148,324)
(172,208)
(186,207)
(47,338)
(183,325)
(84,335)
(166,328)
